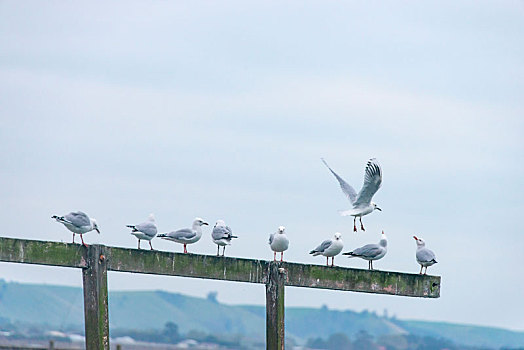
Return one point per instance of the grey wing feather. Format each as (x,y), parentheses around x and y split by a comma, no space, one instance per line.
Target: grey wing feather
(78,219)
(425,255)
(220,232)
(346,188)
(372,182)
(323,246)
(368,251)
(147,228)
(184,233)
(271,237)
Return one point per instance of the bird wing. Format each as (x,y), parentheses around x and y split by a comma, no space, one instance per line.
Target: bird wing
(220,232)
(425,255)
(185,233)
(372,182)
(272,237)
(323,246)
(78,219)
(346,188)
(148,228)
(367,251)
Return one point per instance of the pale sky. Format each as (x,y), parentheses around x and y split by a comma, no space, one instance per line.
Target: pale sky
(223,109)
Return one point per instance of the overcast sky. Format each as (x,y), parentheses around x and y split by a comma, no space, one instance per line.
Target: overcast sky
(223,110)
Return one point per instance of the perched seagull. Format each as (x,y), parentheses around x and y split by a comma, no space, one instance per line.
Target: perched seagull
(77,222)
(222,236)
(186,235)
(362,204)
(329,248)
(278,242)
(146,230)
(425,257)
(371,252)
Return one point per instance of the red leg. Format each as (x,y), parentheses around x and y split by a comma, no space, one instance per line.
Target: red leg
(82,238)
(281,256)
(362,226)
(150,245)
(332,261)
(355,224)
(185,249)
(274,256)
(327,261)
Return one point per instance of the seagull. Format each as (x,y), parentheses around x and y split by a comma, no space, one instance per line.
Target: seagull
(222,236)
(186,236)
(425,257)
(278,242)
(146,230)
(371,252)
(329,248)
(77,222)
(362,204)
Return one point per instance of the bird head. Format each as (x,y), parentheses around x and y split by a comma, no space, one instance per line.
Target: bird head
(281,229)
(151,217)
(199,222)
(420,241)
(220,223)
(375,207)
(95,226)
(338,236)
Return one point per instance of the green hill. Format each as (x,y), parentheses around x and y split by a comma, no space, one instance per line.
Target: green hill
(61,308)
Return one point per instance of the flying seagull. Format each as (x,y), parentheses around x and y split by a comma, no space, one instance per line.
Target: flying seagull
(222,236)
(371,252)
(186,236)
(77,222)
(146,230)
(329,248)
(425,257)
(362,204)
(278,242)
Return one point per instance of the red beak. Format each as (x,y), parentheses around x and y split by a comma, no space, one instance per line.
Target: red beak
(415,237)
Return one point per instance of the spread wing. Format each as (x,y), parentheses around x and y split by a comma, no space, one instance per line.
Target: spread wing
(78,219)
(346,188)
(372,182)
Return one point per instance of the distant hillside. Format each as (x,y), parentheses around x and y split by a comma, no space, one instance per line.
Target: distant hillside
(61,308)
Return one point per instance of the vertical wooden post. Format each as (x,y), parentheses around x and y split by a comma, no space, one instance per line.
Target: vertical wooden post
(95,299)
(275,335)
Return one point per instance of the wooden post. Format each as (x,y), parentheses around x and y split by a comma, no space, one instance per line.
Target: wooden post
(95,299)
(275,337)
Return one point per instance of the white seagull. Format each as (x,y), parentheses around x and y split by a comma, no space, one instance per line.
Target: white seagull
(146,230)
(279,242)
(186,236)
(362,204)
(425,257)
(329,248)
(77,222)
(371,252)
(222,236)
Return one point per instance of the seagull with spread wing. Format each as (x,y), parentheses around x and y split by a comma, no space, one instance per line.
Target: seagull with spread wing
(77,222)
(362,204)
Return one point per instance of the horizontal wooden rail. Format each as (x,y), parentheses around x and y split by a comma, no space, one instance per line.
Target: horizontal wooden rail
(220,268)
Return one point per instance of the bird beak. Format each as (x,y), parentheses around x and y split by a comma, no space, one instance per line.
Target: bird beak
(97,230)
(378,208)
(205,223)
(415,238)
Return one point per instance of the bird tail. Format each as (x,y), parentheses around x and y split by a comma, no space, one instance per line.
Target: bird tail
(434,261)
(162,235)
(133,227)
(346,212)
(58,218)
(314,252)
(351,254)
(233,236)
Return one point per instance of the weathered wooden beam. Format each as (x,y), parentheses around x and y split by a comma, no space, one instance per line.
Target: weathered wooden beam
(223,268)
(96,299)
(42,252)
(275,334)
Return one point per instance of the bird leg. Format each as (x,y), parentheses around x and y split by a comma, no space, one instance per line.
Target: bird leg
(85,245)
(218,250)
(139,243)
(224,251)
(355,224)
(185,248)
(426,270)
(332,261)
(327,261)
(281,256)
(73,237)
(274,256)
(421,267)
(151,245)
(362,226)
